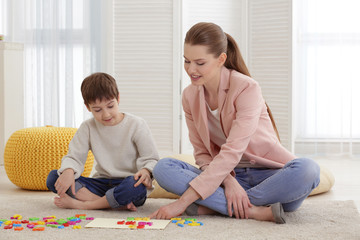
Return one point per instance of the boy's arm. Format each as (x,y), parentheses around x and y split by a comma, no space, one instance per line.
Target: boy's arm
(148,155)
(65,180)
(143,176)
(78,150)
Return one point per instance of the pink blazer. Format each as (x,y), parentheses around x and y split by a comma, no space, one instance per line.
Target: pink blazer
(246,125)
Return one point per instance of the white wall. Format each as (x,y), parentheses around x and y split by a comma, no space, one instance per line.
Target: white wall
(231,16)
(148,62)
(270,59)
(145,66)
(263,31)
(11,92)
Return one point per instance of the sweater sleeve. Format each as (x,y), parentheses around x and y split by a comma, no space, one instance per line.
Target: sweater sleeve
(148,155)
(78,150)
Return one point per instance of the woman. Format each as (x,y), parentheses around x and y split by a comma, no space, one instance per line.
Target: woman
(244,171)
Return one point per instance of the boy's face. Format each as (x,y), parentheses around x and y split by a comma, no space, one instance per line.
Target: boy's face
(106,111)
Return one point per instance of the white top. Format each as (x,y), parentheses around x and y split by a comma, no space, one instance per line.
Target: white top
(218,137)
(120,151)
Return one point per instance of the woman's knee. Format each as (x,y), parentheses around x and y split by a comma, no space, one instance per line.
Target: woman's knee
(161,167)
(310,170)
(51,180)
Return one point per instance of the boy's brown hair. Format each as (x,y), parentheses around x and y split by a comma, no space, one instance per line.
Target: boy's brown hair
(98,86)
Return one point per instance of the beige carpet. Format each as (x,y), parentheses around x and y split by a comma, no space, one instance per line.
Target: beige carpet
(314,220)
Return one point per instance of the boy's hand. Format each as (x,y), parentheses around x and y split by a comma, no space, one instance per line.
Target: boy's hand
(143,176)
(65,180)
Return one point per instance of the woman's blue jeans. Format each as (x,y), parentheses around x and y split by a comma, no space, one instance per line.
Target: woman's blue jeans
(119,192)
(289,185)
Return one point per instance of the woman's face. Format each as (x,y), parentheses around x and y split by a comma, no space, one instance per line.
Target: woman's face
(202,67)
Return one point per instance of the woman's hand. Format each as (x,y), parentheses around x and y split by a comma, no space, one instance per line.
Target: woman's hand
(169,211)
(237,198)
(65,180)
(176,208)
(143,176)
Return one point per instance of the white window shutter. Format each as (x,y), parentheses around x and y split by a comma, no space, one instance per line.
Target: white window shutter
(270,59)
(231,16)
(143,65)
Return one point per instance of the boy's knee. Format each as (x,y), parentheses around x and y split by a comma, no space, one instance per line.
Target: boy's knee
(129,184)
(140,202)
(126,192)
(51,179)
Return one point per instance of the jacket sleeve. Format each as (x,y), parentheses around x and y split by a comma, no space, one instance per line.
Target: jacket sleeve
(201,154)
(248,104)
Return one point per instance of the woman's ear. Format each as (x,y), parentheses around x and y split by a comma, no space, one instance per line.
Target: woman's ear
(222,59)
(118,98)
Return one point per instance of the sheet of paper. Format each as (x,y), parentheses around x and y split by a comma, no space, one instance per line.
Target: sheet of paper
(114,223)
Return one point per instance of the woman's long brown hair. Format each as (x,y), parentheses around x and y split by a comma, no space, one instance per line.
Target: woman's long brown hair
(217,41)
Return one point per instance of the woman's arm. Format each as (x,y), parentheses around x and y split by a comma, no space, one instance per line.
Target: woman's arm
(176,208)
(248,103)
(238,202)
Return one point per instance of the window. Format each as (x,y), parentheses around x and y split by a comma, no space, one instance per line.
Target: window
(62,45)
(327,76)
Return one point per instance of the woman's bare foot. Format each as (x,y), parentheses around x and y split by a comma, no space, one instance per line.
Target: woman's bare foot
(261,213)
(202,210)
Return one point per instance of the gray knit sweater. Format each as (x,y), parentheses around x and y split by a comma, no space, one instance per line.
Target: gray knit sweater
(120,151)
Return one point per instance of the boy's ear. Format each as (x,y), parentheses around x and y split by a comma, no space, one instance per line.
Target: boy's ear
(87,106)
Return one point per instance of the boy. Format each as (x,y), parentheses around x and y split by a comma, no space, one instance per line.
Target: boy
(123,149)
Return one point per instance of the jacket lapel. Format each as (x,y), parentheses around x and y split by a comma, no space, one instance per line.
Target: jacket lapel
(223,89)
(203,123)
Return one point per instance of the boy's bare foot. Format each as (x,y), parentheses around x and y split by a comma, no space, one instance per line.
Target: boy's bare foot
(83,194)
(65,201)
(130,207)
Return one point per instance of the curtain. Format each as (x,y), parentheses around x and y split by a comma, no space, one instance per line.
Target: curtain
(62,45)
(327,78)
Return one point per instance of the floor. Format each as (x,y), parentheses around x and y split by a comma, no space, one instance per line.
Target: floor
(346,187)
(347,180)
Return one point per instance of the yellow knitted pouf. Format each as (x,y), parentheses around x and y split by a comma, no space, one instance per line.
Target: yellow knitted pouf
(31,153)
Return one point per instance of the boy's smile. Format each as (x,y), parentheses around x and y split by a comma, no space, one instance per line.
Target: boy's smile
(106,111)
